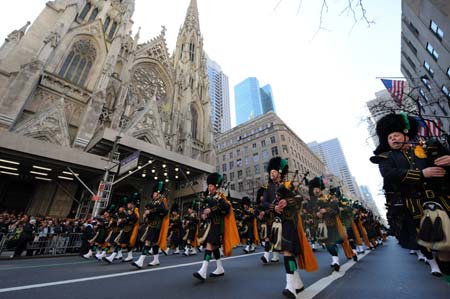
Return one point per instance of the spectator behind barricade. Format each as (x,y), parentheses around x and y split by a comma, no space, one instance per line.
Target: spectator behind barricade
(25,236)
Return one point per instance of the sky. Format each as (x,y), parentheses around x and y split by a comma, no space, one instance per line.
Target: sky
(321,79)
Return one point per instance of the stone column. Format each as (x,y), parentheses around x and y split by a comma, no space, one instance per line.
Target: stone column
(18,92)
(90,120)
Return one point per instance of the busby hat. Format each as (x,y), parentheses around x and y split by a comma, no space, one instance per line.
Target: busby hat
(278,164)
(394,123)
(336,191)
(260,193)
(159,187)
(124,201)
(111,209)
(134,198)
(316,182)
(245,200)
(215,179)
(175,208)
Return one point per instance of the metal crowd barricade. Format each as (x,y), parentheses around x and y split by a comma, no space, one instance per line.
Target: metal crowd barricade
(4,238)
(54,244)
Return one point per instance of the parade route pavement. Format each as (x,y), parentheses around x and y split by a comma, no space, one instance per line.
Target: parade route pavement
(387,272)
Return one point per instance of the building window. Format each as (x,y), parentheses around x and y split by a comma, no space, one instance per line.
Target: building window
(274,151)
(231,165)
(233,187)
(106,24)
(224,167)
(239,174)
(224,157)
(255,157)
(238,152)
(254,145)
(428,68)
(444,89)
(246,149)
(85,11)
(265,155)
(436,30)
(282,138)
(113,30)
(263,142)
(285,149)
(93,15)
(247,160)
(78,63)
(273,139)
(257,169)
(424,96)
(239,163)
(191,52)
(224,177)
(426,82)
(240,186)
(231,176)
(432,51)
(194,124)
(231,155)
(248,172)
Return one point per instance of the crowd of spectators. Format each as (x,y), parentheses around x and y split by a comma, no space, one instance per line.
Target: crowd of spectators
(20,232)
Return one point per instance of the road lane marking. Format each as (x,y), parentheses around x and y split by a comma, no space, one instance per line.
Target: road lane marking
(70,281)
(45,266)
(317,287)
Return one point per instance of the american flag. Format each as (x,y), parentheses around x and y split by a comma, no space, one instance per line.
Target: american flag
(429,128)
(396,89)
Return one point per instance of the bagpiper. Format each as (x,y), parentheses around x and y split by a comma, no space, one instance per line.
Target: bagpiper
(190,231)
(218,211)
(413,180)
(156,217)
(128,222)
(294,245)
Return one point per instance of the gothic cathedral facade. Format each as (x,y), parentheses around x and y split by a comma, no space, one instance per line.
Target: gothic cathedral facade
(77,70)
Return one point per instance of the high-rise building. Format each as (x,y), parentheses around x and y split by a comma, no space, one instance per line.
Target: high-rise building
(251,100)
(267,99)
(219,93)
(367,200)
(330,152)
(243,153)
(425,55)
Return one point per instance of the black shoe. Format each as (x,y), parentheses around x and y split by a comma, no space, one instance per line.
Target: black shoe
(355,258)
(245,250)
(288,294)
(216,275)
(198,276)
(437,274)
(264,260)
(336,267)
(314,249)
(299,290)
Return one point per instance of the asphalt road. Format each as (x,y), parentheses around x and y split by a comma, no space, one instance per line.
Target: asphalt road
(387,272)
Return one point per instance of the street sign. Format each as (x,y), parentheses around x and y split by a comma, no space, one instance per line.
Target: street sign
(129,162)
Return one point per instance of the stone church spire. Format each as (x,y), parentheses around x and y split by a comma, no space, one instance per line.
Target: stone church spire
(192,20)
(191,93)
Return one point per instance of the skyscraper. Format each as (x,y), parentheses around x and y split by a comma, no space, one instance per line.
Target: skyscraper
(219,93)
(267,99)
(425,55)
(251,100)
(330,152)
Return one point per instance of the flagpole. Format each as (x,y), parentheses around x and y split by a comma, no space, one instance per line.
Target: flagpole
(390,78)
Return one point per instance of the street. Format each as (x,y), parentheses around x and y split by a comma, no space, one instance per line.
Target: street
(387,272)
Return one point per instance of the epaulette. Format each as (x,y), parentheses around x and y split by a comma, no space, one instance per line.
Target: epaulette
(378,158)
